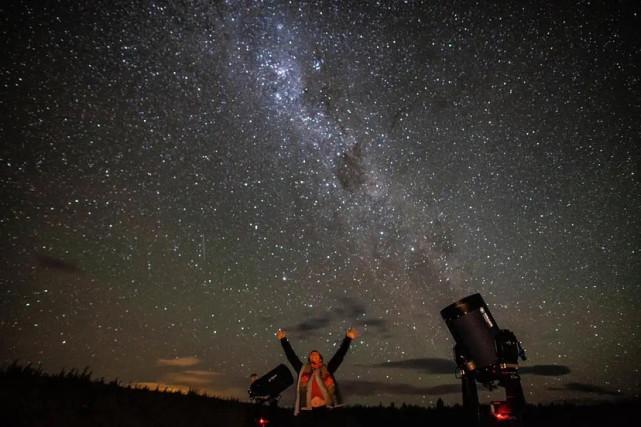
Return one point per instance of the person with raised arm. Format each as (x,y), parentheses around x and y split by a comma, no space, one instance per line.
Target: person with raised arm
(316,388)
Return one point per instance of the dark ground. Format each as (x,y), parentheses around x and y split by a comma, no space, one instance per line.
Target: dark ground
(32,398)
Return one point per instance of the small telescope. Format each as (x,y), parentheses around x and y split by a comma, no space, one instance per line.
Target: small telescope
(267,389)
(486,354)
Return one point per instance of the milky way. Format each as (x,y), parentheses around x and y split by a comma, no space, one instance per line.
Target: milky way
(180,181)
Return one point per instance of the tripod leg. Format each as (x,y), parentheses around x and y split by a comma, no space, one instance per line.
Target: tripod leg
(470,400)
(514,394)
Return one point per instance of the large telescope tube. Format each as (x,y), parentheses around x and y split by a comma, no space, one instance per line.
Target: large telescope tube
(474,330)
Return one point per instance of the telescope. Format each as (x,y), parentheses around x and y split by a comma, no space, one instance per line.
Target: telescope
(486,354)
(267,389)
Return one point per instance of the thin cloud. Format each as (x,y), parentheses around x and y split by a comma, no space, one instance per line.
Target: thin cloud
(445,366)
(200,381)
(430,365)
(179,361)
(347,309)
(350,308)
(52,263)
(586,388)
(545,370)
(379,324)
(191,378)
(311,325)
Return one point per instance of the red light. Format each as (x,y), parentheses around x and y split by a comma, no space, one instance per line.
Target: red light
(262,422)
(502,416)
(501,411)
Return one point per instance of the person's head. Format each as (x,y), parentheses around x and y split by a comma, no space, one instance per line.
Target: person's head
(315,358)
(253,377)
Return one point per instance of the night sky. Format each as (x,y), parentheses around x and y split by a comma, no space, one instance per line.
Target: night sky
(181,179)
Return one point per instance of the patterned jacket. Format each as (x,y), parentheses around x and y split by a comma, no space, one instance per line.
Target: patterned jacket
(330,390)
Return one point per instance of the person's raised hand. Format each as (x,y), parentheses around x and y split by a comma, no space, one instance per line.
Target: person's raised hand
(352,333)
(280,334)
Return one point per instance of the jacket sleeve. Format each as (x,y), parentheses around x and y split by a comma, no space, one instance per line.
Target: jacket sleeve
(291,355)
(333,364)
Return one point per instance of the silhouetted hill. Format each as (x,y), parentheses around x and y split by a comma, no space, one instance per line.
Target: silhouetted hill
(33,398)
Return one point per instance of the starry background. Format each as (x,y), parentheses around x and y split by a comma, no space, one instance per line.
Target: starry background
(180,179)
